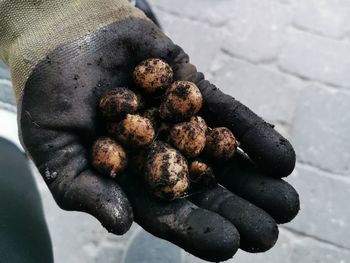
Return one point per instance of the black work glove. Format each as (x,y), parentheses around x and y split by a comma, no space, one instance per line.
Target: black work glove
(59,122)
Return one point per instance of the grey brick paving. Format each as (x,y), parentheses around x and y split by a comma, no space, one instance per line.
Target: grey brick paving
(256,28)
(328,63)
(200,56)
(109,253)
(321,130)
(328,18)
(278,93)
(146,248)
(324,212)
(289,60)
(215,15)
(291,248)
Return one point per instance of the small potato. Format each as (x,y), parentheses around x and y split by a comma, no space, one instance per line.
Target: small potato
(201,173)
(221,144)
(118,102)
(135,131)
(182,101)
(201,122)
(189,138)
(108,157)
(166,172)
(153,75)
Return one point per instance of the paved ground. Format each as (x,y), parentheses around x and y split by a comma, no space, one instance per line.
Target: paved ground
(290,62)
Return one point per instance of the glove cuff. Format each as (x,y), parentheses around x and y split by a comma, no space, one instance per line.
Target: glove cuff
(30,30)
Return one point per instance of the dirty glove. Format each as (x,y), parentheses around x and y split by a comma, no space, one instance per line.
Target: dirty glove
(63,55)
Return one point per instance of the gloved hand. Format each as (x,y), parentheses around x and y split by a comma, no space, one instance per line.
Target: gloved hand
(59,77)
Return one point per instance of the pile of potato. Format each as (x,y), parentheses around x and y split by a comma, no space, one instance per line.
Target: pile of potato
(155,130)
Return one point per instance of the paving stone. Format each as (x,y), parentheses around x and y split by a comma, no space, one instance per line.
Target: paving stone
(109,253)
(74,235)
(146,248)
(321,129)
(250,28)
(269,93)
(316,58)
(206,11)
(256,29)
(324,210)
(200,42)
(291,248)
(284,1)
(329,18)
(124,240)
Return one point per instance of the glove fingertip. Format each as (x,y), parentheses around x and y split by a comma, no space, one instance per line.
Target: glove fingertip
(117,220)
(290,205)
(274,153)
(111,207)
(98,196)
(217,243)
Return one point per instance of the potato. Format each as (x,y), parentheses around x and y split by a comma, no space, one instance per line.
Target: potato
(201,122)
(166,171)
(189,138)
(182,101)
(201,173)
(221,144)
(108,157)
(153,75)
(118,102)
(135,131)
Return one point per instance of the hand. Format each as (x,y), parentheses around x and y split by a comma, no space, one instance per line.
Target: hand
(59,121)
